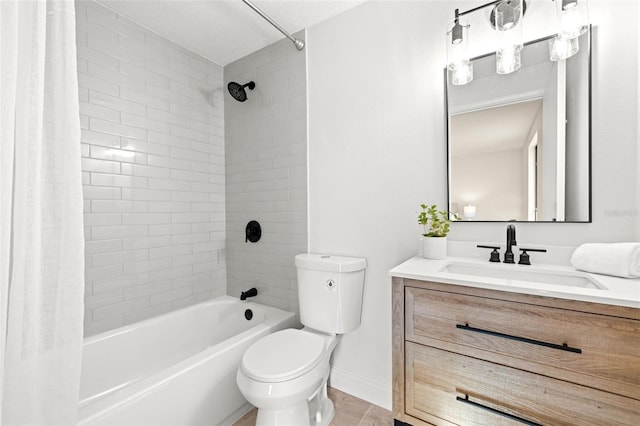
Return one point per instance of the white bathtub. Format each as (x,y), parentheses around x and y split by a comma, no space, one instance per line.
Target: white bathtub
(175,369)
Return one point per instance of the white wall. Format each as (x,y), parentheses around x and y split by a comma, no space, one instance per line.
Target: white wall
(377,150)
(153,171)
(493,182)
(266,160)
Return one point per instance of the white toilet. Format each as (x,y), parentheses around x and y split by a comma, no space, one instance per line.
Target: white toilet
(285,373)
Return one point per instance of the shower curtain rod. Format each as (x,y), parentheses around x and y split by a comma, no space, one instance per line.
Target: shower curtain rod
(296,41)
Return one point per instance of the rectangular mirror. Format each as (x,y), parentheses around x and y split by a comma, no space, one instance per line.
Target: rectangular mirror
(519,144)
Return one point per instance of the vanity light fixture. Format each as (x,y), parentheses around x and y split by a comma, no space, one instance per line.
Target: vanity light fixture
(508,26)
(458,61)
(573,20)
(573,16)
(507,19)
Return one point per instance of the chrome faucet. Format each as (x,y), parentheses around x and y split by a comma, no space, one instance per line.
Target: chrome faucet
(511,241)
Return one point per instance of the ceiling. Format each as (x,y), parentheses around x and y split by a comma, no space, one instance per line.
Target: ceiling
(477,132)
(226,30)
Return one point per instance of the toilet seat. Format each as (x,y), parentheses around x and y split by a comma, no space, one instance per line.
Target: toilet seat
(283,356)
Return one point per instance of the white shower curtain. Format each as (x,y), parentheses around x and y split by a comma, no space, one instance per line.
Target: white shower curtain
(41,234)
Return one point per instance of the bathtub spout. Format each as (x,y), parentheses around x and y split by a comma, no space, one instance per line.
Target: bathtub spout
(249,293)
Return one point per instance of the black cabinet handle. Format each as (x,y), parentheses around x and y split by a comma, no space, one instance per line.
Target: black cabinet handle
(466,400)
(563,347)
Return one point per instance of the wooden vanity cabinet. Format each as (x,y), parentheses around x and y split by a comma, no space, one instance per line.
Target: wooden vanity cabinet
(471,356)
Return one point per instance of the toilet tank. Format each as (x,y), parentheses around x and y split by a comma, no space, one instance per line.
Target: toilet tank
(330,291)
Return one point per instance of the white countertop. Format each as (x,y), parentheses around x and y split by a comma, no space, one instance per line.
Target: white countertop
(614,291)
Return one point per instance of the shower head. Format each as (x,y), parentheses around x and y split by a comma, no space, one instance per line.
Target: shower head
(237,90)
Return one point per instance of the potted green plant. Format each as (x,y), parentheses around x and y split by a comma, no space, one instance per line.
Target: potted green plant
(436,224)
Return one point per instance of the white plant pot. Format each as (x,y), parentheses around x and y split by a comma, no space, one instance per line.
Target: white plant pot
(434,248)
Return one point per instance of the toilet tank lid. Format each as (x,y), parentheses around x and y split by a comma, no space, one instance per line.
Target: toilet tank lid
(324,262)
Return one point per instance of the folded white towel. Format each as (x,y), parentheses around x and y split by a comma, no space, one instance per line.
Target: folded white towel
(618,259)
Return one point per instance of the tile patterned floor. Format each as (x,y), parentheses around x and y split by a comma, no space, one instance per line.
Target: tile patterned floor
(350,411)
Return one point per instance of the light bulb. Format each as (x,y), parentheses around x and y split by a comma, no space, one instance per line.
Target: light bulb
(561,47)
(461,73)
(458,52)
(508,60)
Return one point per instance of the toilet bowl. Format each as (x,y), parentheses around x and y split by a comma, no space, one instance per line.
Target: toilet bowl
(285,373)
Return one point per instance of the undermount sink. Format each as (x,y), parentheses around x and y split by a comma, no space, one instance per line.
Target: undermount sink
(515,273)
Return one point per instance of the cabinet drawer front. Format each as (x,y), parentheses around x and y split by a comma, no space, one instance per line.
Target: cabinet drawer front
(590,349)
(468,391)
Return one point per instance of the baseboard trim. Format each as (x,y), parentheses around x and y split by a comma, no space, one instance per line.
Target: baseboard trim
(370,390)
(237,415)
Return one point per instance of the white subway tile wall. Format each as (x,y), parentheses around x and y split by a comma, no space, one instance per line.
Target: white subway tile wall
(266,169)
(153,164)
